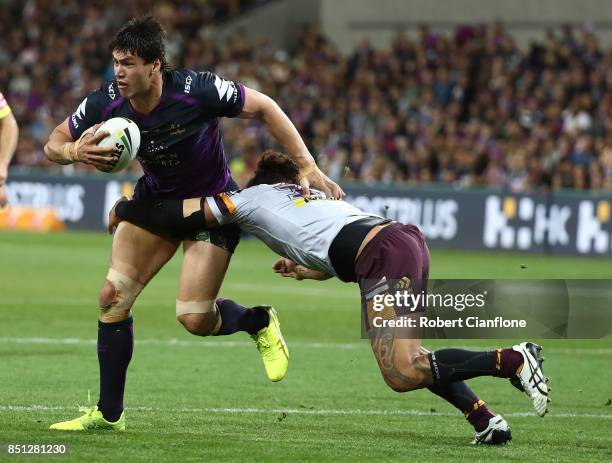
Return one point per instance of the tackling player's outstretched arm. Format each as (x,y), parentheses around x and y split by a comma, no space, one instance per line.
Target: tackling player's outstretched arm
(262,107)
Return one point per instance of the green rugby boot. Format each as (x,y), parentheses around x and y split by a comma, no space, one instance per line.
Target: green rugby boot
(272,346)
(92,419)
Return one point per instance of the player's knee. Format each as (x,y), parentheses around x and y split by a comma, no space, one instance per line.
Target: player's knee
(199,318)
(117,296)
(108,295)
(199,324)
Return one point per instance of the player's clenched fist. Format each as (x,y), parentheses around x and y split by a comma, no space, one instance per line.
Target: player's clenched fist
(287,268)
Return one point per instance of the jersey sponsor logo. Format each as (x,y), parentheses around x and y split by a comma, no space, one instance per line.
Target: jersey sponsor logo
(188,82)
(314,197)
(79,114)
(225,88)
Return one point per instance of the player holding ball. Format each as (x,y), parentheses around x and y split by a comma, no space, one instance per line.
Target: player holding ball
(181,153)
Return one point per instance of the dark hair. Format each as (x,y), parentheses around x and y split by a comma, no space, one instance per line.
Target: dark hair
(143,36)
(274,167)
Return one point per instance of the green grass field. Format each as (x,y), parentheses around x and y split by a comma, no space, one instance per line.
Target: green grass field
(207,399)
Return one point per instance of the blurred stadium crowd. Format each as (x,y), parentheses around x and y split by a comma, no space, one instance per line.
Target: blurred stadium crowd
(469,108)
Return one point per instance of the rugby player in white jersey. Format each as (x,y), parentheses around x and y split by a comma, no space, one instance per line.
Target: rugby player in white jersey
(320,238)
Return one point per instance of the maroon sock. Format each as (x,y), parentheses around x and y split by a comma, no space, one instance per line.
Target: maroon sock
(461,396)
(507,362)
(479,415)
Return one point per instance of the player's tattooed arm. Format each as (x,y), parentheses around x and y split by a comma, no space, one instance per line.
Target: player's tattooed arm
(262,107)
(289,269)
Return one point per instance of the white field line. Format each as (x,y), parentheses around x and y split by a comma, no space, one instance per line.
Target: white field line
(297,411)
(178,343)
(300,345)
(250,287)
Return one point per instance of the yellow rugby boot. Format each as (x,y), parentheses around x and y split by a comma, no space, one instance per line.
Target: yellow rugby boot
(272,346)
(92,419)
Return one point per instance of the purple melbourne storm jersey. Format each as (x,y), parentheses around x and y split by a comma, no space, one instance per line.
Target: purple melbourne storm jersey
(181,150)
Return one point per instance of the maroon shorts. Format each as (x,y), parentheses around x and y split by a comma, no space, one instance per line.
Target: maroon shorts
(398,254)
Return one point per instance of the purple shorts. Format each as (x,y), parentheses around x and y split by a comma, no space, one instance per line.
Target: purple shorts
(399,255)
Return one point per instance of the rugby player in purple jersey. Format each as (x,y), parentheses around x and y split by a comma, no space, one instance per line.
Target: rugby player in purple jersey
(320,238)
(182,156)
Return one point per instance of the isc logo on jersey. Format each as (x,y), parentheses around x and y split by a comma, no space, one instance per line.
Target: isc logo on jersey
(188,81)
(111,92)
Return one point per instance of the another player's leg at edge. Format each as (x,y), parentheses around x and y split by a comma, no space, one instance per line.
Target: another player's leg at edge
(203,313)
(406,365)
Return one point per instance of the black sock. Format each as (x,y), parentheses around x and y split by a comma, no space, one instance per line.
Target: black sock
(115,346)
(235,317)
(457,364)
(460,395)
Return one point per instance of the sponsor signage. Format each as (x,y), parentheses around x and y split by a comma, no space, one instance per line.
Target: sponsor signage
(563,223)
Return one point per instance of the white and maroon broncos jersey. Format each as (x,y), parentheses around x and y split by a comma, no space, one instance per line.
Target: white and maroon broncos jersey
(301,229)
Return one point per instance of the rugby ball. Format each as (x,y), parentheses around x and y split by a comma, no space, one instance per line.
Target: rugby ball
(125,136)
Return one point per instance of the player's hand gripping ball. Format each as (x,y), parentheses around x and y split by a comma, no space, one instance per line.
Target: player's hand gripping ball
(124,136)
